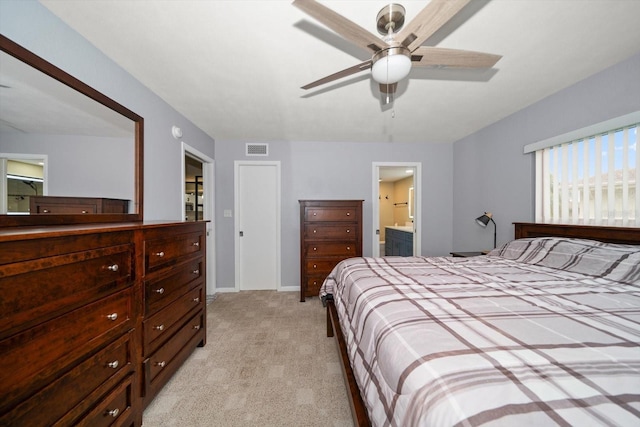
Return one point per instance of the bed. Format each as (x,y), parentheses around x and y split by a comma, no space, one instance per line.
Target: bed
(544,330)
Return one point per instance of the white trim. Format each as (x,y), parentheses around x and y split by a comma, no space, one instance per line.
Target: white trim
(208,190)
(417,210)
(236,225)
(602,127)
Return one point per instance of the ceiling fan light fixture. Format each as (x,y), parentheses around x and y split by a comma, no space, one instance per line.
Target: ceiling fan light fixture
(391,65)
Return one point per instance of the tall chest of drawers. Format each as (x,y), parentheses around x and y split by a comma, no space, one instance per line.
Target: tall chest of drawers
(174,301)
(67,329)
(330,231)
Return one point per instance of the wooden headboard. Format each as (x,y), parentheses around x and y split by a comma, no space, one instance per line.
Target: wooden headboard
(626,235)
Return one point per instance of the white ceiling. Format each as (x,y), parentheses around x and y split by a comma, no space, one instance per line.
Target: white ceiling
(234,68)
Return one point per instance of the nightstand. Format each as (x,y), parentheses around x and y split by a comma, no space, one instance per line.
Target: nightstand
(467,254)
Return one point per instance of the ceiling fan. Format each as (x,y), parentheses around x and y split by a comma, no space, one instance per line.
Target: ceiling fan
(400,48)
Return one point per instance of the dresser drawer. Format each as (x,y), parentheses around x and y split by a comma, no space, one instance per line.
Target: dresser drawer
(320,249)
(330,213)
(161,361)
(321,267)
(314,283)
(314,231)
(35,356)
(163,324)
(59,397)
(166,251)
(113,409)
(37,290)
(162,290)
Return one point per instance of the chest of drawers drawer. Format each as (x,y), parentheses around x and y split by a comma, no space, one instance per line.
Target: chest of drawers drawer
(322,249)
(162,289)
(67,394)
(113,409)
(330,213)
(316,231)
(34,356)
(161,252)
(163,361)
(164,323)
(37,290)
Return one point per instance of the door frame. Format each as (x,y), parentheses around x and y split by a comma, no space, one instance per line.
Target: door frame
(417,209)
(236,225)
(208,207)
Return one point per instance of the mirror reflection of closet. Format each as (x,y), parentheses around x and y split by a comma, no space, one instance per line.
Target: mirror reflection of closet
(25,177)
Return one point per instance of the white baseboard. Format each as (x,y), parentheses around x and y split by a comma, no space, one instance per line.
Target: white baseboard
(282,289)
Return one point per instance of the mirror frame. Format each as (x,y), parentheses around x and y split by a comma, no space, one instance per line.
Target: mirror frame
(29,58)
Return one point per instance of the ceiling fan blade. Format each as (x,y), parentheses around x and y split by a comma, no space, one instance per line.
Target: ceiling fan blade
(340,74)
(428,21)
(426,56)
(341,25)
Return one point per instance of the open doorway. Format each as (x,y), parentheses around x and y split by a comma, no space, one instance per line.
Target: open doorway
(193,189)
(197,201)
(396,209)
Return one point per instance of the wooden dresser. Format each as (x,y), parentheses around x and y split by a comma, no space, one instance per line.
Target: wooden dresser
(73,304)
(330,231)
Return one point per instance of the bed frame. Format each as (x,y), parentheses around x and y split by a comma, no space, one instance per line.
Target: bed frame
(626,235)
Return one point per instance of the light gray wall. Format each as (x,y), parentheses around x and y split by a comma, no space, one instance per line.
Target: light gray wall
(491,173)
(323,170)
(31,25)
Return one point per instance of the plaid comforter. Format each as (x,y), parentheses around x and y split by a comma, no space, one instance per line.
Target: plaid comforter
(540,332)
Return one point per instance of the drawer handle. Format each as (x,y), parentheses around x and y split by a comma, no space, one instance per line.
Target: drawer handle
(196,272)
(160,254)
(45,210)
(113,365)
(196,327)
(315,249)
(113,267)
(314,214)
(315,282)
(315,231)
(159,327)
(160,291)
(348,248)
(161,364)
(196,244)
(112,316)
(84,212)
(315,266)
(348,213)
(113,413)
(196,299)
(348,231)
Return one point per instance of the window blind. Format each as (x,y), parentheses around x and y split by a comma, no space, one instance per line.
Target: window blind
(592,180)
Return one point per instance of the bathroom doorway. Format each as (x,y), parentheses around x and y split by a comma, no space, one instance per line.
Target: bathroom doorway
(396,209)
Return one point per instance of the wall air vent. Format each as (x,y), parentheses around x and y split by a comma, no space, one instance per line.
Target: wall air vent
(257,149)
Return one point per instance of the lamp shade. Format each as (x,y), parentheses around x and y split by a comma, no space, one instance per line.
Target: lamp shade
(391,66)
(483,220)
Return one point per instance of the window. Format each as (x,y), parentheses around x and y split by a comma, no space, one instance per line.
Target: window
(590,180)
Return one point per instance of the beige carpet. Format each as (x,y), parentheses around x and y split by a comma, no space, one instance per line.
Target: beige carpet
(267,362)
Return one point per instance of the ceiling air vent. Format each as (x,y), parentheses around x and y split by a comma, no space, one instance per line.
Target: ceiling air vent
(257,150)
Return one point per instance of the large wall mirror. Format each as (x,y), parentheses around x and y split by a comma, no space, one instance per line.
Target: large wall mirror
(62,139)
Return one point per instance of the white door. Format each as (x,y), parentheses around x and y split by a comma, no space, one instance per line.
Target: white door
(257,225)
